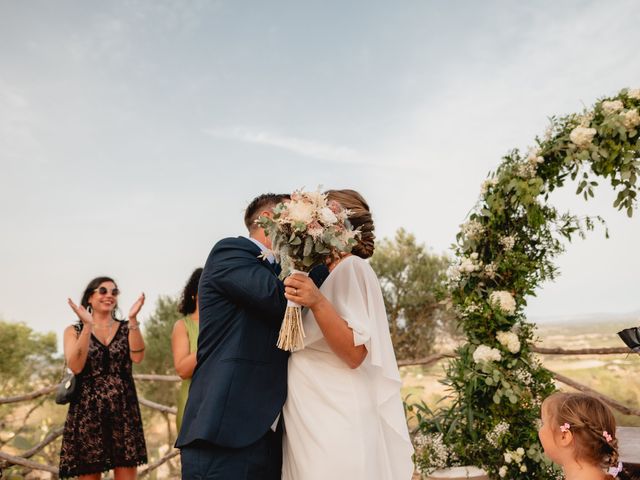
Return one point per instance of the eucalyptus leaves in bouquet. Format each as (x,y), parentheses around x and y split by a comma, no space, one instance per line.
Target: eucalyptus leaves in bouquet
(503,253)
(305,232)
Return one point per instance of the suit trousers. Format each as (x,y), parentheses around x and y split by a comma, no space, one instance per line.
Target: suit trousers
(261,460)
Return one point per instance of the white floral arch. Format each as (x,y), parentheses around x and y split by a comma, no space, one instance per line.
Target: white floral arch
(503,253)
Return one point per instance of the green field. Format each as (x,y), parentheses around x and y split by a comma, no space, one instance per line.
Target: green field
(617,376)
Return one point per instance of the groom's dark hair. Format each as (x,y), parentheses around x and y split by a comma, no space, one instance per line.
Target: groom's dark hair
(259,204)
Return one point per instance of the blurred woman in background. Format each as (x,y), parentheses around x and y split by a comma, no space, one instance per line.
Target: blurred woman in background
(184,340)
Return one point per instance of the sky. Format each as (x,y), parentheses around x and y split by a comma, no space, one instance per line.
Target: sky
(134,133)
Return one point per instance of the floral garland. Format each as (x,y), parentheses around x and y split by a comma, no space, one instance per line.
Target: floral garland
(503,253)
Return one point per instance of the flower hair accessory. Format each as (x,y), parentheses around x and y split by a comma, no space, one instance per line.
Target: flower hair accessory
(607,436)
(614,471)
(565,428)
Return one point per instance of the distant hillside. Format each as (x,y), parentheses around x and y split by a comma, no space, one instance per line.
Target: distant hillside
(588,319)
(581,331)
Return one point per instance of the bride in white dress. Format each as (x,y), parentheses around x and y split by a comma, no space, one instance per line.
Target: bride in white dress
(344,418)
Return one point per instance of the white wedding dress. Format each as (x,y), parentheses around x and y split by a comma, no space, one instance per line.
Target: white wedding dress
(342,423)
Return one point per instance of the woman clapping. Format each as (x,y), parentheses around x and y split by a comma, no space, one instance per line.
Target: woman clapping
(103,430)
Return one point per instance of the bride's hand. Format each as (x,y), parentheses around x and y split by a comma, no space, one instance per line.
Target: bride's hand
(301,289)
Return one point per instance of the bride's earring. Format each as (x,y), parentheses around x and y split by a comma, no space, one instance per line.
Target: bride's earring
(89,309)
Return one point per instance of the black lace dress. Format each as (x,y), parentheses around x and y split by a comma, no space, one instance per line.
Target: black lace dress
(104,427)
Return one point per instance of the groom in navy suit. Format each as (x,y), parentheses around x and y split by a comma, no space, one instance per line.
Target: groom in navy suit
(232,428)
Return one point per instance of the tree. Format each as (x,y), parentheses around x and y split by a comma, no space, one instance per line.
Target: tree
(410,276)
(27,356)
(158,358)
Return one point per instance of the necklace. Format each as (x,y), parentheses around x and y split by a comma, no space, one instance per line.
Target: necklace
(108,338)
(102,327)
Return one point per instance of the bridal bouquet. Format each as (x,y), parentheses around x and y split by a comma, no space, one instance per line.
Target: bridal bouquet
(304,232)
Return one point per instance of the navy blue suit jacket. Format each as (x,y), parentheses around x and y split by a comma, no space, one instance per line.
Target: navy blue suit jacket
(240,381)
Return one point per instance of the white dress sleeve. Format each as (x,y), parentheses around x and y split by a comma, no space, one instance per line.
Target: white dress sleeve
(356,295)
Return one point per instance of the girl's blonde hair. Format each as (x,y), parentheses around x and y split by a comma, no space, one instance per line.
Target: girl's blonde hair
(592,424)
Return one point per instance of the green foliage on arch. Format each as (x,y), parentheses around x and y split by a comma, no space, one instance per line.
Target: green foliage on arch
(504,252)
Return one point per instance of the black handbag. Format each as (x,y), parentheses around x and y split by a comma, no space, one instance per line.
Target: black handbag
(67,388)
(631,337)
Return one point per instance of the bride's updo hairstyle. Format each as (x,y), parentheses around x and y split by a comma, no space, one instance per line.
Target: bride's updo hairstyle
(360,218)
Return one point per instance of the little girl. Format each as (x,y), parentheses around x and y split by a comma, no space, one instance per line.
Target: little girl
(578,433)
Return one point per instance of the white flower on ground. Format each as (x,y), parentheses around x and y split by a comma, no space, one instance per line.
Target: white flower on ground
(509,340)
(472,308)
(582,137)
(524,376)
(484,353)
(503,471)
(631,119)
(433,447)
(494,436)
(634,93)
(508,242)
(612,106)
(514,455)
(504,301)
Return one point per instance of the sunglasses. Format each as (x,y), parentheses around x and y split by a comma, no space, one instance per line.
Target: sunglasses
(103,291)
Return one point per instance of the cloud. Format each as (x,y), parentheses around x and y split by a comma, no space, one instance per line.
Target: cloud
(500,95)
(18,142)
(300,146)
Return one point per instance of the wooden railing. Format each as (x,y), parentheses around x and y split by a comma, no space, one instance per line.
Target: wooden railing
(24,458)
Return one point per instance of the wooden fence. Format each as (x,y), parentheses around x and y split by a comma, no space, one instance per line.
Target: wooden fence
(23,459)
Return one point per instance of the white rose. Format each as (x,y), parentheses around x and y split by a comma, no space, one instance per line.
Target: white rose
(520,451)
(631,119)
(504,301)
(474,256)
(634,93)
(612,106)
(509,340)
(467,266)
(507,458)
(327,216)
(300,212)
(484,353)
(503,471)
(523,468)
(582,136)
(534,156)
